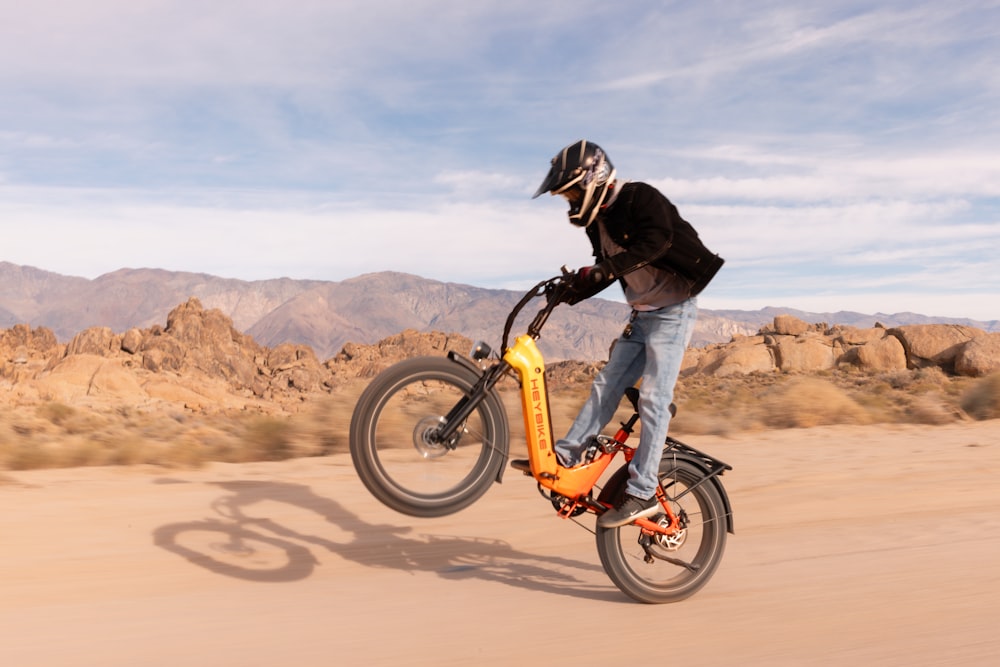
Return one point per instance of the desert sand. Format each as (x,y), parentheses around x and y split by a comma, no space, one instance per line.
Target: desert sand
(858,545)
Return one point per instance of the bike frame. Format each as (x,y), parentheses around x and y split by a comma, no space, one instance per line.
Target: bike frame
(526,359)
(574,485)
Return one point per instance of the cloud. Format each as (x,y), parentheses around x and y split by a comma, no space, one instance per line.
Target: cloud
(257,42)
(263,235)
(793,177)
(819,148)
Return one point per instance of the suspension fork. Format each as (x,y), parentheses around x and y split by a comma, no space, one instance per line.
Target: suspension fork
(467,404)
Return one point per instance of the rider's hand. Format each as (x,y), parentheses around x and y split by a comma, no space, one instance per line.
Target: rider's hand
(581,284)
(587,277)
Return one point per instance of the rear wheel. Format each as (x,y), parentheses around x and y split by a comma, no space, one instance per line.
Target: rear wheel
(393,445)
(660,568)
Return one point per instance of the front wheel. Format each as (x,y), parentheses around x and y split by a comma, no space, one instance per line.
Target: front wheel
(658,568)
(393,445)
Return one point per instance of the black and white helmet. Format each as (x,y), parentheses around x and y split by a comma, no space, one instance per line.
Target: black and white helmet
(584,175)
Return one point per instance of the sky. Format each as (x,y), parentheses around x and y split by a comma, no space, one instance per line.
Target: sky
(839,155)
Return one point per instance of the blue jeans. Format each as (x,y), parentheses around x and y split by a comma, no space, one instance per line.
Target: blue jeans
(654,352)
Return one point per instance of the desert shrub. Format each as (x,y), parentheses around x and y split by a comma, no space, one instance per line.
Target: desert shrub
(70,419)
(898,379)
(187,452)
(930,408)
(807,401)
(53,434)
(125,449)
(56,412)
(268,439)
(930,379)
(324,429)
(28,455)
(696,421)
(87,452)
(982,399)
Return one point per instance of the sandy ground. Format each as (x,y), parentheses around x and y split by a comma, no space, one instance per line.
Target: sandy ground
(853,545)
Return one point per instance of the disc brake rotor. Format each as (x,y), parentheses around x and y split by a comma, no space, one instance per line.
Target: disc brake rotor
(667,542)
(425,442)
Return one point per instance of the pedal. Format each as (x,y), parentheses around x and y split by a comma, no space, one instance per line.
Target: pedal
(524,465)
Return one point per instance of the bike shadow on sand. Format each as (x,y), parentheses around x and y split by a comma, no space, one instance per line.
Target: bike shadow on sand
(236,543)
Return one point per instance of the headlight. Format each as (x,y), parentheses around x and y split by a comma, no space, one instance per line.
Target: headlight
(480,350)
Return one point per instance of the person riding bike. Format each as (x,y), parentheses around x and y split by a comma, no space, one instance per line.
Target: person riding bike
(639,240)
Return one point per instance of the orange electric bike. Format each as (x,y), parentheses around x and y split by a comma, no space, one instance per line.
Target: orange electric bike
(430,435)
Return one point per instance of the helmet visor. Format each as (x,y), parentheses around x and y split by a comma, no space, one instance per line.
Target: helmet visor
(559,180)
(551,181)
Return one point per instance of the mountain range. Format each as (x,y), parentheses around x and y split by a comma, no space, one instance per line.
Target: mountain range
(326,314)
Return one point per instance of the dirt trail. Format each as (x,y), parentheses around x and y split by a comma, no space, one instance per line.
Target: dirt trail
(853,545)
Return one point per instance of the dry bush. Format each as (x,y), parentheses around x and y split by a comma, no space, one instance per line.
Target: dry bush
(809,401)
(930,408)
(56,412)
(26,455)
(924,380)
(187,452)
(324,428)
(719,406)
(81,452)
(53,434)
(268,439)
(982,399)
(702,422)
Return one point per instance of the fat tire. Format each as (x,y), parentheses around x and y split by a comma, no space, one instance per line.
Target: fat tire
(632,575)
(365,447)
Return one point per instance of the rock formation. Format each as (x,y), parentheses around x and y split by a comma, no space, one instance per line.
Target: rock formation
(792,345)
(199,359)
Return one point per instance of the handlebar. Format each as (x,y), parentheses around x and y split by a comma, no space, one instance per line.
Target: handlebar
(554,289)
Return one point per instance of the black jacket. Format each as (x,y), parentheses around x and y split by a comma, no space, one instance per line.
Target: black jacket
(644,222)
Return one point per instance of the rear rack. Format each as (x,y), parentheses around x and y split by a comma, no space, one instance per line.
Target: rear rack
(711,464)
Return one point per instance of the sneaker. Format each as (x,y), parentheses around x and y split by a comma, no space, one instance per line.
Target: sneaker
(632,508)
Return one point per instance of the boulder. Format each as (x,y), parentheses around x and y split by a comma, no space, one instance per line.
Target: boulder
(195,391)
(787,325)
(295,367)
(95,340)
(980,356)
(854,336)
(210,343)
(114,380)
(172,392)
(365,361)
(162,353)
(934,344)
(692,357)
(804,354)
(132,340)
(24,351)
(21,355)
(737,359)
(886,354)
(21,340)
(69,378)
(287,355)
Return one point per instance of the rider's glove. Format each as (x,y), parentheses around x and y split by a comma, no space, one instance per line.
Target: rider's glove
(587,277)
(583,283)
